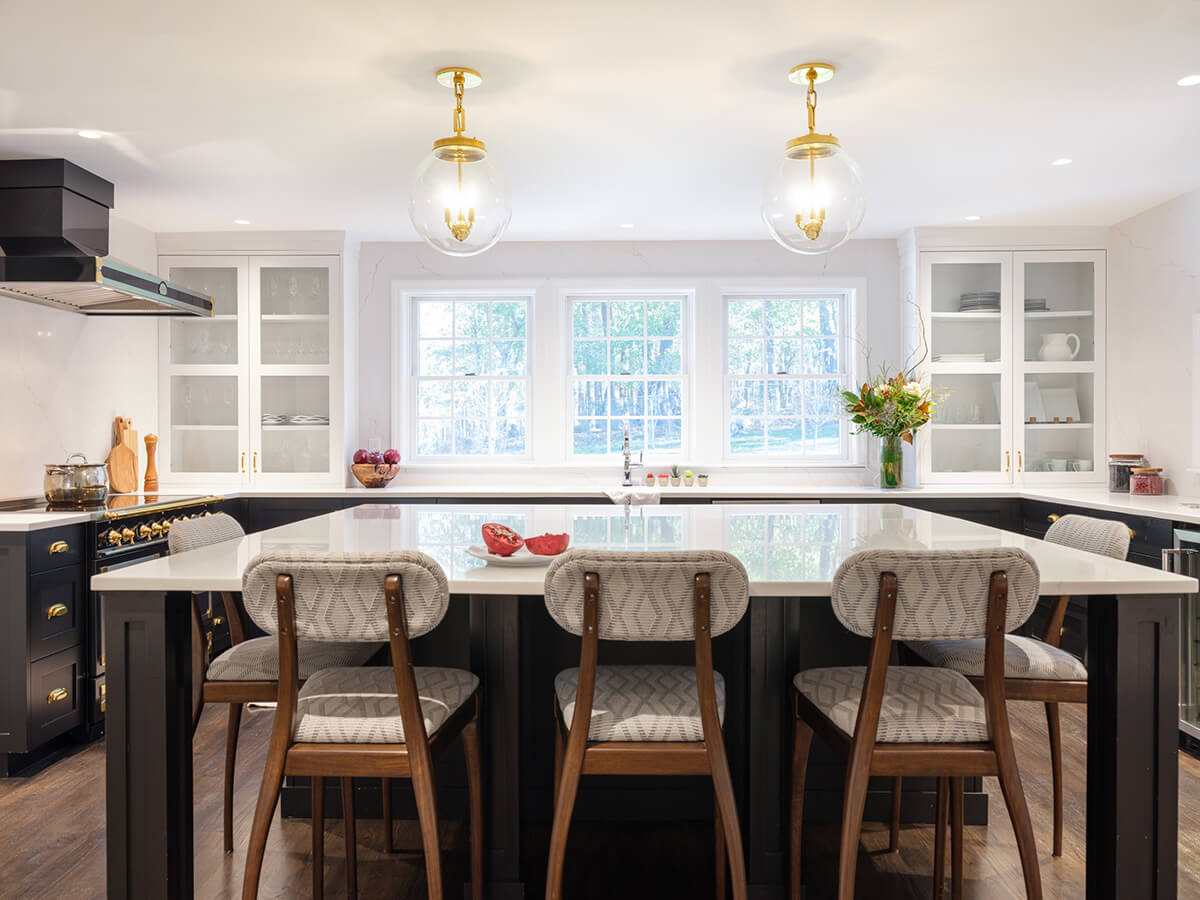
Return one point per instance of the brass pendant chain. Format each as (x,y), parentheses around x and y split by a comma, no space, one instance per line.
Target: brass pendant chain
(460,117)
(811,100)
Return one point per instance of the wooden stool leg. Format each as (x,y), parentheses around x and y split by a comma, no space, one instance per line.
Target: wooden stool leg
(231,740)
(939,838)
(388,847)
(1018,812)
(470,736)
(351,830)
(802,735)
(857,775)
(956,837)
(318,836)
(564,805)
(719,866)
(1052,725)
(894,836)
(264,812)
(427,816)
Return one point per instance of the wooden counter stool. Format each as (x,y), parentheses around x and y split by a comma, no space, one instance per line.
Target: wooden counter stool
(645,719)
(1033,669)
(387,722)
(894,720)
(247,671)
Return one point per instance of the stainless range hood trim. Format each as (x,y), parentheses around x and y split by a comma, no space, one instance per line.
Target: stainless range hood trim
(113,290)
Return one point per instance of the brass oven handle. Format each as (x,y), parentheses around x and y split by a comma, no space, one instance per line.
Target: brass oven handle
(57,610)
(59,547)
(56,695)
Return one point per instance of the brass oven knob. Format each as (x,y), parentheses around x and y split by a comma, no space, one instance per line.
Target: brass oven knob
(156,529)
(166,526)
(114,537)
(144,531)
(127,535)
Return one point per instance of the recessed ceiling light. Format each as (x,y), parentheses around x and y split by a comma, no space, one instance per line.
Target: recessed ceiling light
(972,218)
(91,134)
(626,224)
(241,221)
(1189,81)
(1064,161)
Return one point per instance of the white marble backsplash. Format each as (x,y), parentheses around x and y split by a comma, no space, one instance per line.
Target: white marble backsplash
(65,377)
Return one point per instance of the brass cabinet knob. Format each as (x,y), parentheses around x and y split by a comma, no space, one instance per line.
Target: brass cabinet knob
(1052,518)
(59,547)
(56,611)
(144,531)
(127,535)
(56,695)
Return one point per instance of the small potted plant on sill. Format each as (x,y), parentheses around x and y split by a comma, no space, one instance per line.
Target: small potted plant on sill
(703,480)
(675,476)
(649,479)
(688,478)
(662,480)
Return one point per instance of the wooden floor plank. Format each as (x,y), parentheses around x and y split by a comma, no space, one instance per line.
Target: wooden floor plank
(53,836)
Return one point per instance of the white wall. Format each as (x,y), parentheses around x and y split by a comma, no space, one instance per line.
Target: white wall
(552,267)
(1153,305)
(67,376)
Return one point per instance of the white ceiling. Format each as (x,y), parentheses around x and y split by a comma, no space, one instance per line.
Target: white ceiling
(665,114)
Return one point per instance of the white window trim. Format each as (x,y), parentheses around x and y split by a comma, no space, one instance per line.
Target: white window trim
(853,292)
(567,297)
(404,362)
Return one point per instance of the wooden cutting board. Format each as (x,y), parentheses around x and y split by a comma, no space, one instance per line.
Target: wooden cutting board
(122,461)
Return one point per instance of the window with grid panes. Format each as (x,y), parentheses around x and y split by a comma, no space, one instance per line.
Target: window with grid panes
(627,368)
(471,376)
(788,359)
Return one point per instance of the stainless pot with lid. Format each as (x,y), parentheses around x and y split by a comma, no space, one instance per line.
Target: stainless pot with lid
(75,484)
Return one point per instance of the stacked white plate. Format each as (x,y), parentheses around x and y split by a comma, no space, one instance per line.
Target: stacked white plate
(269,419)
(308,420)
(979,301)
(960,357)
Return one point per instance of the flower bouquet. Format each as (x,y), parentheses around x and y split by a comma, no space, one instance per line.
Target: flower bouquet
(891,407)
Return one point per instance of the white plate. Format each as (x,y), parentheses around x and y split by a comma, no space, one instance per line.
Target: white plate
(1061,402)
(519,559)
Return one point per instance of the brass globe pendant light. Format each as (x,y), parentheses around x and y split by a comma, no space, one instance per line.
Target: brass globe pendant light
(814,198)
(460,202)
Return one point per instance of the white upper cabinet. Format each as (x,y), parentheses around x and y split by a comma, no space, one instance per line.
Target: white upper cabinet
(253,396)
(1016,358)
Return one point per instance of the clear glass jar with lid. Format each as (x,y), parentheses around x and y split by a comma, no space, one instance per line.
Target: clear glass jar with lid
(1119,466)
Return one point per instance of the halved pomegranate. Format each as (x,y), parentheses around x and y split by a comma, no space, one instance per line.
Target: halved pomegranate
(501,539)
(548,544)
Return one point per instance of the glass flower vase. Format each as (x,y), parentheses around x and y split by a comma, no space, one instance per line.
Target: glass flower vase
(891,462)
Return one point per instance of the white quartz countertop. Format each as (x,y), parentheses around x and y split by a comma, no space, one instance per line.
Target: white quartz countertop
(1172,507)
(789,550)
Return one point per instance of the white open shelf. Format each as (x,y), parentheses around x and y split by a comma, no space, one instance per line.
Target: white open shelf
(1078,425)
(204,427)
(1061,314)
(972,426)
(965,316)
(294,317)
(294,427)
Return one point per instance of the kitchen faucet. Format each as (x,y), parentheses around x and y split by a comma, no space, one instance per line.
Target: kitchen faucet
(628,482)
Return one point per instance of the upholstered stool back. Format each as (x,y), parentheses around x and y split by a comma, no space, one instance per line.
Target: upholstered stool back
(192,534)
(942,593)
(1100,536)
(647,596)
(340,596)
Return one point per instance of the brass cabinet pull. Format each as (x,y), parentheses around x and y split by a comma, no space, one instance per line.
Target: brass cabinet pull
(217,620)
(58,609)
(1052,518)
(103,689)
(56,695)
(254,460)
(243,460)
(1007,460)
(1132,533)
(103,704)
(1020,463)
(59,547)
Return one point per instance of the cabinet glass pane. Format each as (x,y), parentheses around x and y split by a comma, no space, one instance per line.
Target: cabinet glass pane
(198,342)
(294,291)
(295,423)
(204,423)
(965,433)
(1060,311)
(1059,411)
(965,312)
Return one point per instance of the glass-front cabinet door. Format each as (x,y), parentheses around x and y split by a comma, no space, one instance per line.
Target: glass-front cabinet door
(295,356)
(203,392)
(1059,365)
(965,301)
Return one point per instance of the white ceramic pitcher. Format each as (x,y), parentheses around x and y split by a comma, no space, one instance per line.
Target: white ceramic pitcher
(1057,347)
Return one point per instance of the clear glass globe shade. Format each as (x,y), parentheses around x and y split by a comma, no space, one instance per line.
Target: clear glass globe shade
(799,188)
(473,194)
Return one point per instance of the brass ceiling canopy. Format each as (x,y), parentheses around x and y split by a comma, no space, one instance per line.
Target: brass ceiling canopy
(459,148)
(812,145)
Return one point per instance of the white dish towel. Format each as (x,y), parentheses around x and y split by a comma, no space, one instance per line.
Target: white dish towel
(633,496)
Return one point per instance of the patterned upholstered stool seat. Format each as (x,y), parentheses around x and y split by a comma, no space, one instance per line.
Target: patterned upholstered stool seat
(640,703)
(360,706)
(1023,658)
(920,705)
(258,659)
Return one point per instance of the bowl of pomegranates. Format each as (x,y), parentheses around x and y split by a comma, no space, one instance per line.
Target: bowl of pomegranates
(374,469)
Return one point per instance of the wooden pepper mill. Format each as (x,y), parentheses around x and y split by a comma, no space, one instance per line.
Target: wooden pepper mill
(151,483)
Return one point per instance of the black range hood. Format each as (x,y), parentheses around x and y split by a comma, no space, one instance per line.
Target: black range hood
(54,240)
